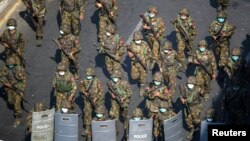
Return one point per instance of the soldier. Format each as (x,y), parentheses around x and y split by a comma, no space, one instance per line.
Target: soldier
(156,93)
(71,47)
(221,32)
(139,53)
(12,76)
(222,5)
(92,90)
(13,42)
(108,11)
(65,86)
(113,48)
(206,68)
(235,66)
(121,92)
(154,28)
(185,34)
(236,102)
(169,66)
(37,9)
(72,11)
(192,101)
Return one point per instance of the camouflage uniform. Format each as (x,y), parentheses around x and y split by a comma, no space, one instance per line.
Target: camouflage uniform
(11,38)
(156,93)
(65,86)
(222,46)
(38,10)
(91,88)
(141,49)
(72,11)
(112,45)
(185,22)
(192,101)
(159,28)
(71,45)
(222,4)
(169,65)
(206,57)
(13,78)
(104,18)
(123,90)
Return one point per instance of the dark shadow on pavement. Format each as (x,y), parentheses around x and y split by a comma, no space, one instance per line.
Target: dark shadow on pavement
(100,62)
(58,19)
(57,57)
(28,18)
(95,20)
(127,69)
(52,102)
(172,37)
(213,3)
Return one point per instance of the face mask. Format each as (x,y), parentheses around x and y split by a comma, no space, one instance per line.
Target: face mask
(221,20)
(10,66)
(61,32)
(61,73)
(157,83)
(11,27)
(108,34)
(202,49)
(137,118)
(236,88)
(166,51)
(65,110)
(138,41)
(235,58)
(151,15)
(115,79)
(163,110)
(183,17)
(209,119)
(99,115)
(89,77)
(190,86)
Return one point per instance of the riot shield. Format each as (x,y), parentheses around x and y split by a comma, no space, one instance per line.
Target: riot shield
(140,130)
(66,127)
(103,130)
(173,128)
(204,129)
(43,125)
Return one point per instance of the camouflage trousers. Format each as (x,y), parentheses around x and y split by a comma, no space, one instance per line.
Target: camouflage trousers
(14,99)
(39,27)
(117,111)
(155,46)
(60,97)
(71,18)
(138,72)
(111,65)
(182,46)
(222,51)
(103,23)
(73,67)
(193,120)
(170,73)
(204,81)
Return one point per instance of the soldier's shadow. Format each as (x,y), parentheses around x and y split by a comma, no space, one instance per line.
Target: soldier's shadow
(127,69)
(100,62)
(52,101)
(172,37)
(2,56)
(95,20)
(28,18)
(213,3)
(3,95)
(57,57)
(58,19)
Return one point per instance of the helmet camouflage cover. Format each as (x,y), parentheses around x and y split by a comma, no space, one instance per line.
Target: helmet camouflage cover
(111,28)
(65,29)
(137,35)
(221,14)
(167,45)
(158,77)
(100,110)
(11,22)
(90,71)
(11,61)
(236,51)
(61,67)
(191,80)
(184,11)
(153,9)
(210,113)
(137,112)
(39,106)
(116,74)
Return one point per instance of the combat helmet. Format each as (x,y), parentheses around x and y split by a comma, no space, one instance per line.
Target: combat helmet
(100,110)
(116,74)
(202,43)
(221,14)
(167,45)
(11,22)
(158,77)
(61,67)
(137,113)
(153,9)
(90,71)
(191,80)
(236,52)
(137,35)
(111,28)
(210,113)
(184,11)
(11,61)
(39,106)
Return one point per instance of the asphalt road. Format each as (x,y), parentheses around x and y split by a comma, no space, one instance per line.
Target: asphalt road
(42,62)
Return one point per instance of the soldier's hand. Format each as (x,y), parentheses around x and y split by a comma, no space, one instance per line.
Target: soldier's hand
(112,95)
(111,14)
(214,76)
(146,27)
(21,94)
(5,45)
(70,98)
(81,16)
(98,5)
(157,94)
(183,101)
(196,62)
(177,30)
(130,54)
(8,85)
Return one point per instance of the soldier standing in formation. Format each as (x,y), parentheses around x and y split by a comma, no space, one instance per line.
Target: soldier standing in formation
(13,42)
(65,86)
(206,67)
(93,93)
(169,66)
(185,34)
(113,48)
(121,92)
(37,8)
(139,53)
(72,11)
(108,11)
(154,29)
(13,78)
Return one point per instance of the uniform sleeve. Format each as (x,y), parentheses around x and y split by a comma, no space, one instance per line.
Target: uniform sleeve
(82,86)
(100,91)
(73,81)
(54,81)
(20,44)
(29,121)
(114,7)
(230,30)
(211,30)
(3,75)
(193,29)
(128,90)
(227,67)
(213,62)
(76,44)
(162,27)
(81,4)
(121,47)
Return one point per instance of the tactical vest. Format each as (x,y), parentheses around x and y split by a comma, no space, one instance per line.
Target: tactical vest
(155,24)
(63,83)
(169,60)
(69,5)
(67,43)
(12,40)
(93,89)
(186,24)
(140,50)
(111,44)
(193,96)
(119,90)
(205,57)
(12,76)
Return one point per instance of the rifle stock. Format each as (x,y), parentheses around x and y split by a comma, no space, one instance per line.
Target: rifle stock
(137,57)
(117,97)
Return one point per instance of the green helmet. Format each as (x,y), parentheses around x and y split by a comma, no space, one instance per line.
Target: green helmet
(191,80)
(221,14)
(90,71)
(202,43)
(61,67)
(116,74)
(100,110)
(111,28)
(167,45)
(11,61)
(210,113)
(184,11)
(137,36)
(65,29)
(153,9)
(158,77)
(11,22)
(137,113)
(236,51)
(39,106)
